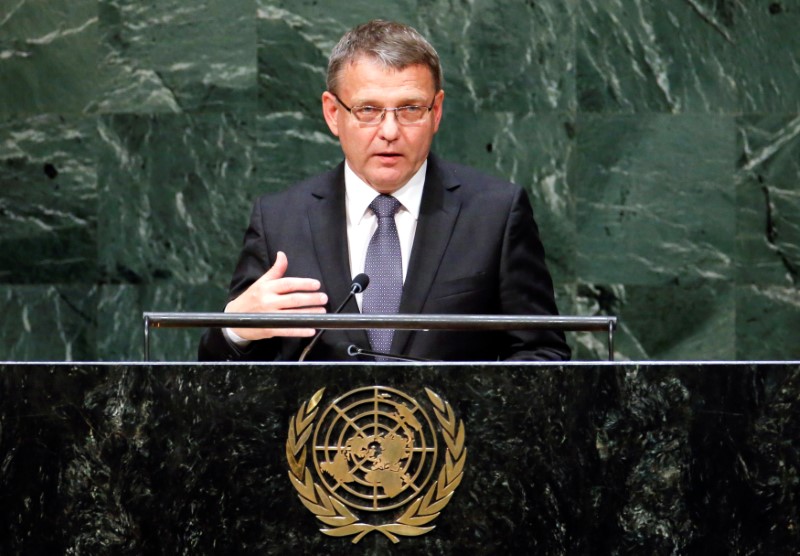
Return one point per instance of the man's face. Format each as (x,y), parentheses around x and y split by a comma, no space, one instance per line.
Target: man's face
(385,155)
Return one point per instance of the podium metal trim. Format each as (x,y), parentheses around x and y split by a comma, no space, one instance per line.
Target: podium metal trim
(352,321)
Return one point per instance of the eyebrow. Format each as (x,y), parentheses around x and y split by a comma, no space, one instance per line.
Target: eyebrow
(418,101)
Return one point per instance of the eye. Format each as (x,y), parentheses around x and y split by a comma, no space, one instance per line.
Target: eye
(413,109)
(367,110)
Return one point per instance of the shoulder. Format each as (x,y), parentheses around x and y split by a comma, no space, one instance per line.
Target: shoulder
(299,194)
(471,183)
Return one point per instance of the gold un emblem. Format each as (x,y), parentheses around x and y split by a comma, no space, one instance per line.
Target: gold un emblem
(375,452)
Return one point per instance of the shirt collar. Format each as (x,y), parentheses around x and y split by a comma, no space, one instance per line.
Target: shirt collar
(359,195)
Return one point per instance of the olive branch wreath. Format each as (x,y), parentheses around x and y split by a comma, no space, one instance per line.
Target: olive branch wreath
(340,520)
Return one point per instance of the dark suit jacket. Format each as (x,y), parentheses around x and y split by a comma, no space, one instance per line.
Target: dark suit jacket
(476,251)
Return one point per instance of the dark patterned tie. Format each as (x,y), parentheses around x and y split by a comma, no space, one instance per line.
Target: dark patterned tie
(384,266)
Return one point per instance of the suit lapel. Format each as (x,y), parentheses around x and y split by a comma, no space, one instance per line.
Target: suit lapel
(437,217)
(327,219)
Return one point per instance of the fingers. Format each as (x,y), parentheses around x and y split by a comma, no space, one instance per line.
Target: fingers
(272,293)
(262,333)
(293,332)
(264,299)
(291,301)
(274,282)
(282,286)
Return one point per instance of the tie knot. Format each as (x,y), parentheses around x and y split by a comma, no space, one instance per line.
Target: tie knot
(384,205)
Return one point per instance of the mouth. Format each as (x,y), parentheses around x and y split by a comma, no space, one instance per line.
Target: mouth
(388,157)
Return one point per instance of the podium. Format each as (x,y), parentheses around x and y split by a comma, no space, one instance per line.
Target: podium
(576,458)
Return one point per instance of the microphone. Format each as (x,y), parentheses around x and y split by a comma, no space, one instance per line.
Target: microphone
(354,351)
(358,285)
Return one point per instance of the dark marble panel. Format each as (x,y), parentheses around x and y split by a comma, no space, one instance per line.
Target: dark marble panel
(48,56)
(588,459)
(175,196)
(694,56)
(505,56)
(641,56)
(663,323)
(119,318)
(48,323)
(768,200)
(293,146)
(767,321)
(292,57)
(48,200)
(174,56)
(497,56)
(765,55)
(654,198)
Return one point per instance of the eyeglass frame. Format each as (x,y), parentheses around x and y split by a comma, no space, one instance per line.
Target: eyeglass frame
(384,111)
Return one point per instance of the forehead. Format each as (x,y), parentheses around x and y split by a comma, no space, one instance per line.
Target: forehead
(368,81)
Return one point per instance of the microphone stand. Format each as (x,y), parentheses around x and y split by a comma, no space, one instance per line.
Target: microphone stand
(358,285)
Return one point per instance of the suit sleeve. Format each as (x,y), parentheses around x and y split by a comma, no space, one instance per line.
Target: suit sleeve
(526,287)
(254,261)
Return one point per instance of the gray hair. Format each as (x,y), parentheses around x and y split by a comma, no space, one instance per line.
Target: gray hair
(391,44)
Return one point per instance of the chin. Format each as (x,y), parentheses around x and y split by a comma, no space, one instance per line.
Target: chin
(386,189)
(386,185)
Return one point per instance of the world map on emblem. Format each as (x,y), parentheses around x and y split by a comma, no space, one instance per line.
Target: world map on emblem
(374,448)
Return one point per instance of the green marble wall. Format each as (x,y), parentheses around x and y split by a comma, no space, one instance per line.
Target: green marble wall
(659,141)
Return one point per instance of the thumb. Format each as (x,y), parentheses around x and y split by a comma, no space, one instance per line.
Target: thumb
(278,269)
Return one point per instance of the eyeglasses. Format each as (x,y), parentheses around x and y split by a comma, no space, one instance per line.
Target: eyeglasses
(372,115)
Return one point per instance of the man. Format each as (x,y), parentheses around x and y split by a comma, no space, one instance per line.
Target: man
(434,237)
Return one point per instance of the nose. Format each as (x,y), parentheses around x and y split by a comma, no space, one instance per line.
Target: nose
(389,128)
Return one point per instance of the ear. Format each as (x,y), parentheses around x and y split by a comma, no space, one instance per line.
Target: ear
(330,109)
(437,109)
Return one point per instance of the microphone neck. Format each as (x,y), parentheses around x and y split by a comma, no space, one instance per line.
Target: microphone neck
(347,298)
(355,288)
